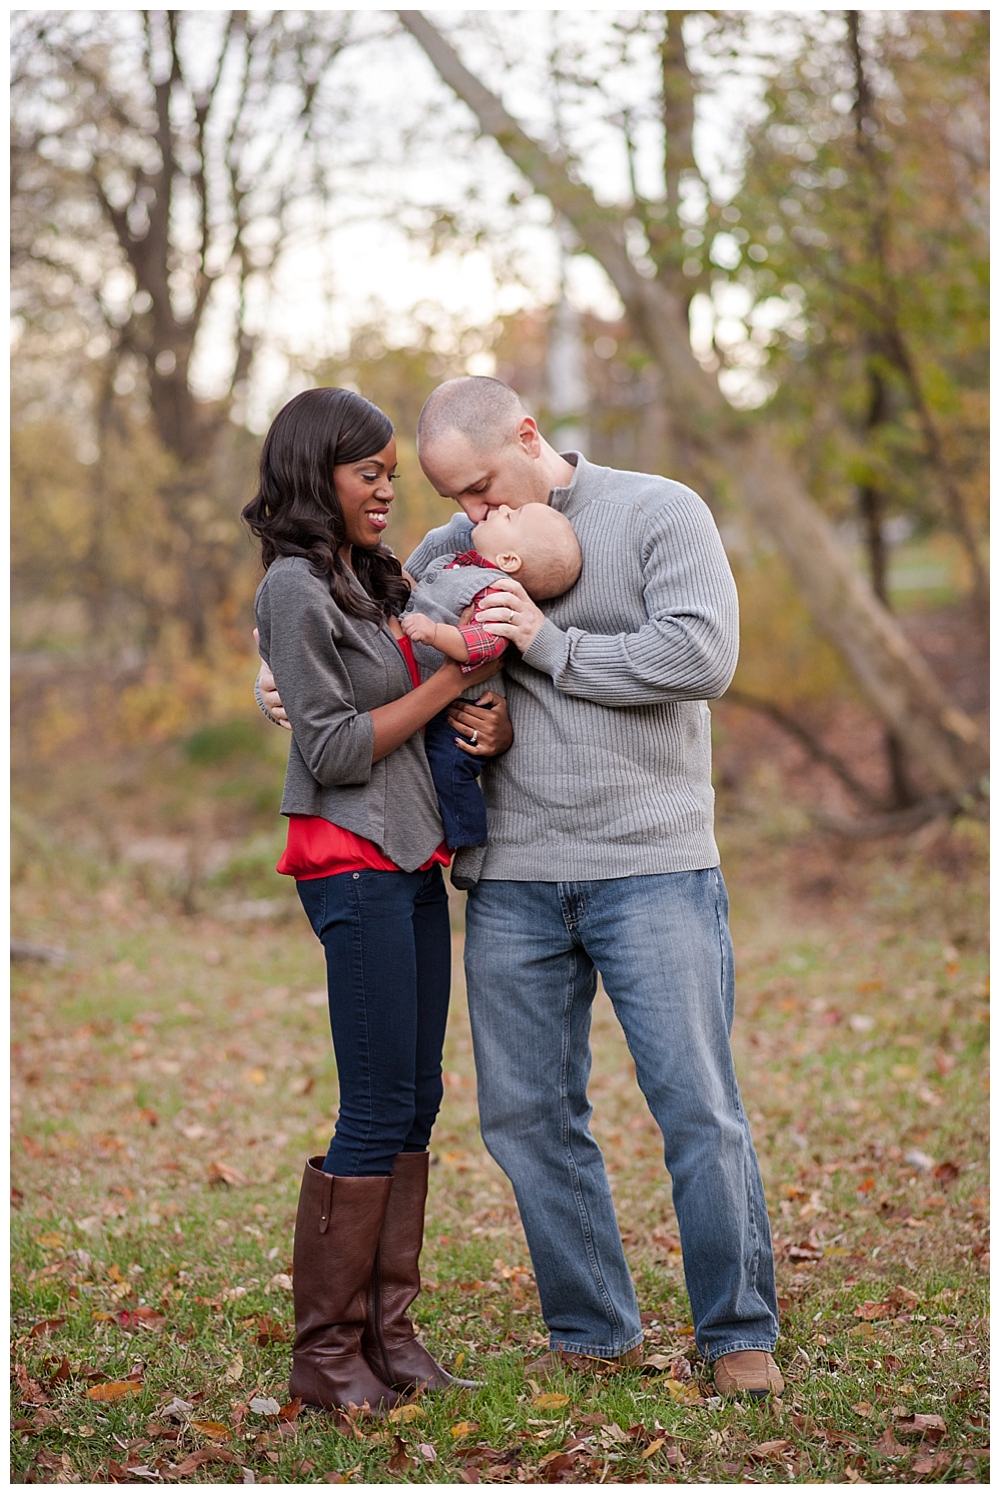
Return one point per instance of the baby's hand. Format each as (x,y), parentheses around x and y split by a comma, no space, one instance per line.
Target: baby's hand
(417,627)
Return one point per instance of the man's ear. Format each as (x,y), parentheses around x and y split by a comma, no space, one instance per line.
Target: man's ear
(508,562)
(528,437)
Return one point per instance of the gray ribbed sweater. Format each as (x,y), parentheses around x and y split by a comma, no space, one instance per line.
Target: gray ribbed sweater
(610,771)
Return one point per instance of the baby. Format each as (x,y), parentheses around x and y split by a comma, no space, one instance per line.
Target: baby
(536,545)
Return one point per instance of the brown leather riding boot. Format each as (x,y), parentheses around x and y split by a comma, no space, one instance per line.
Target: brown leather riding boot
(336,1235)
(390,1340)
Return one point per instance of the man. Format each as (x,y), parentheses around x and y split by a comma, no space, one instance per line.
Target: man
(601,859)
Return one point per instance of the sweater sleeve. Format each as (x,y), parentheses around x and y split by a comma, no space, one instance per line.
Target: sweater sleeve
(298,628)
(688,647)
(450,539)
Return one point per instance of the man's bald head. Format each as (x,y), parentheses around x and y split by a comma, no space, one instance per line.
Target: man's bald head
(486,412)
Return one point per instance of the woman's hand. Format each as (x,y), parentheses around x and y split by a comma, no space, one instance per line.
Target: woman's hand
(485,725)
(510,613)
(268,693)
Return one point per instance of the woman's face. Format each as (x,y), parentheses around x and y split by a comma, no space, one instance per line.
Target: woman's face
(364,491)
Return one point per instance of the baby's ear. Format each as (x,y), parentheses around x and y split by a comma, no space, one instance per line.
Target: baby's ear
(508,562)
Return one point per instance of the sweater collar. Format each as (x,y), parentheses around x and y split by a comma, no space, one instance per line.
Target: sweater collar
(579,462)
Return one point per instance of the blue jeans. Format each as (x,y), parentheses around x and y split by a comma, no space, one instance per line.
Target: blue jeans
(662,947)
(455,775)
(388,956)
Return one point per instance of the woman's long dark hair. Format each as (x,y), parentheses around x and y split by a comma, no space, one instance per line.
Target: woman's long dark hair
(295,510)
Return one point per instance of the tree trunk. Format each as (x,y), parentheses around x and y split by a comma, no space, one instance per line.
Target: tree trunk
(895,680)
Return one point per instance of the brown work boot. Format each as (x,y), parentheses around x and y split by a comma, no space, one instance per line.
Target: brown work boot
(556,1362)
(751,1372)
(390,1342)
(336,1234)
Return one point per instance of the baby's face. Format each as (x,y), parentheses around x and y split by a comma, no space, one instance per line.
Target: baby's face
(506,531)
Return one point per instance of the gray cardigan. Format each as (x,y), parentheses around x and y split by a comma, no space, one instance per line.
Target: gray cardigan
(610,771)
(331,670)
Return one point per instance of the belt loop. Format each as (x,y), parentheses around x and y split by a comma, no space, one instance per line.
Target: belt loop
(324,1218)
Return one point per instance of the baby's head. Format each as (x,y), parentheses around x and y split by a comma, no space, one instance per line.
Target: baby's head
(535,544)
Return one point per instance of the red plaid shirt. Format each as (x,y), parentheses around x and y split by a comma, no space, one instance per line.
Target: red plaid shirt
(482,646)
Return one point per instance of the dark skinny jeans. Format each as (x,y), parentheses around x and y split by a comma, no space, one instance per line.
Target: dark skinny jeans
(388,957)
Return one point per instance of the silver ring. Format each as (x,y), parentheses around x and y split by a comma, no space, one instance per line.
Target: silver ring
(510,614)
(474,739)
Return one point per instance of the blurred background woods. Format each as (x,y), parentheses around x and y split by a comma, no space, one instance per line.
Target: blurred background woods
(746,251)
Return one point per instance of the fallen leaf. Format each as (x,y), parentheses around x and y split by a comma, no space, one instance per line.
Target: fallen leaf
(221,1172)
(46,1326)
(212,1429)
(196,1460)
(290,1410)
(686,1395)
(270,1331)
(427,1452)
(888,1446)
(50,1241)
(872,1310)
(234,1371)
(556,1464)
(282,1281)
(937,1464)
(863,1408)
(918,1425)
(765,1450)
(805,1252)
(409,1412)
(113,1390)
(464,1429)
(653,1448)
(469,1475)
(177,1410)
(658,1362)
(132,1319)
(264,1405)
(400,1462)
(550,1401)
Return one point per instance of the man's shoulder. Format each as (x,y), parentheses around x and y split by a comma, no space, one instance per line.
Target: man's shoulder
(647,491)
(448,539)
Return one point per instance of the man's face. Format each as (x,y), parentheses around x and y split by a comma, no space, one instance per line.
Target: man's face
(478,481)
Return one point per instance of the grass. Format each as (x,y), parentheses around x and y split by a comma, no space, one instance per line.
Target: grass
(173,1075)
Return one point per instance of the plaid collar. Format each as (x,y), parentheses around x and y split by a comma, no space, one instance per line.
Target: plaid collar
(473,557)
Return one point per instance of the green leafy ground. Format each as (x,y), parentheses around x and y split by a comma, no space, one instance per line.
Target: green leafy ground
(173,1075)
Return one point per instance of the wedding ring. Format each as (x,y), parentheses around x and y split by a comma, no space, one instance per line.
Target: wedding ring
(510,614)
(474,739)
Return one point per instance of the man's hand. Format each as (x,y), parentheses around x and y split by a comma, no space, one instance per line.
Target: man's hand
(418,628)
(511,614)
(488,722)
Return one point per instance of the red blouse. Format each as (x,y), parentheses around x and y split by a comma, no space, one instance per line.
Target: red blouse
(316,848)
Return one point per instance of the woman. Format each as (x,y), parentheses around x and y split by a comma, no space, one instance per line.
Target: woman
(365,846)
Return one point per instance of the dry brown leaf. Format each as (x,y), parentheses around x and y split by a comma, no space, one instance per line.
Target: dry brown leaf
(401,1462)
(46,1326)
(888,1446)
(270,1331)
(918,1425)
(936,1464)
(763,1451)
(653,1447)
(196,1460)
(290,1410)
(221,1172)
(464,1429)
(550,1400)
(212,1429)
(114,1390)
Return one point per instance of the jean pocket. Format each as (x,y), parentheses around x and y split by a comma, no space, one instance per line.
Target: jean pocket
(312,896)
